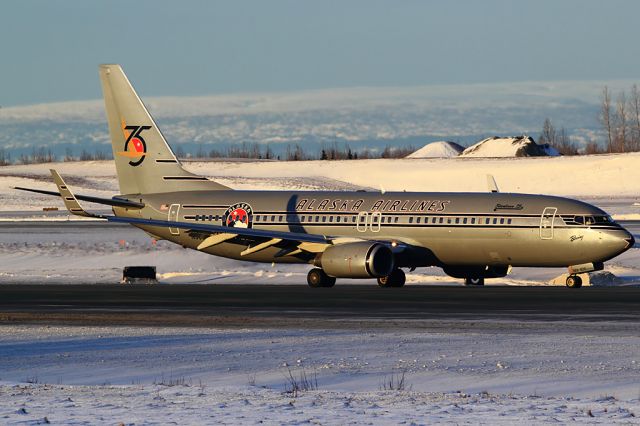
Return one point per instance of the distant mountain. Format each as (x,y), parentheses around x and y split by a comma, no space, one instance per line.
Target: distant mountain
(440,149)
(369,118)
(517,146)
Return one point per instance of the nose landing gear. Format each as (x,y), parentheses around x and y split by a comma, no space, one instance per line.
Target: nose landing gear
(474,281)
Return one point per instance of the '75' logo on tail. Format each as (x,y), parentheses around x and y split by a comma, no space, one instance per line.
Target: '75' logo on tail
(134,146)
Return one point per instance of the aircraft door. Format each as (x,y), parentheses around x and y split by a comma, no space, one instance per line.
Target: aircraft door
(173,217)
(362,221)
(376,218)
(546,223)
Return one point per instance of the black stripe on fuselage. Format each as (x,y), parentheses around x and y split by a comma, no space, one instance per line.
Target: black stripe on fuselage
(184,178)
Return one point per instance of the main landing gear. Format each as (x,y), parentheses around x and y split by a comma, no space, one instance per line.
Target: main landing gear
(318,278)
(574,281)
(396,279)
(474,281)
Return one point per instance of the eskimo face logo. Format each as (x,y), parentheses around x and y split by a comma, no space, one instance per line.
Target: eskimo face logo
(134,146)
(239,215)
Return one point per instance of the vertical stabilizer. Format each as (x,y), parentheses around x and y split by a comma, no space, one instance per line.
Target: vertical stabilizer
(144,160)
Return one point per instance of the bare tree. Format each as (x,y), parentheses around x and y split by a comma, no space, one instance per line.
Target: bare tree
(634,104)
(564,144)
(592,148)
(621,125)
(605,117)
(548,134)
(5,157)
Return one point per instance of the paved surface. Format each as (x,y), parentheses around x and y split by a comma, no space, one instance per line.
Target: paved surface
(268,304)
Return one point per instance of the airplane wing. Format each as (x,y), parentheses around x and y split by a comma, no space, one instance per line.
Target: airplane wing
(261,239)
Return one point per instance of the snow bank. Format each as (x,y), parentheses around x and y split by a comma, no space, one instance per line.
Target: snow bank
(441,149)
(517,146)
(585,176)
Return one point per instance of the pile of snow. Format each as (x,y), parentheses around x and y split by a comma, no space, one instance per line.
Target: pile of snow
(515,146)
(440,149)
(581,176)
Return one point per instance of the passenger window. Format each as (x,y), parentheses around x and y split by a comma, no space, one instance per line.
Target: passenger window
(502,221)
(473,220)
(353,219)
(464,220)
(418,219)
(457,220)
(509,222)
(330,218)
(487,221)
(449,220)
(396,219)
(442,220)
(579,220)
(324,218)
(301,218)
(337,218)
(495,220)
(410,219)
(317,218)
(589,220)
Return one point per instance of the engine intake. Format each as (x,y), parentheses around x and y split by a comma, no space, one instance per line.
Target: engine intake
(357,260)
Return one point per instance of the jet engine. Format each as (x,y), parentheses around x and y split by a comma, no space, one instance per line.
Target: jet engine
(356,260)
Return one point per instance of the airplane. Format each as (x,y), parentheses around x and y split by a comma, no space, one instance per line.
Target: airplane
(342,234)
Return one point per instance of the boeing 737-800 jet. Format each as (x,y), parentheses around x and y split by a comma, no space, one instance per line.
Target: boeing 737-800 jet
(358,234)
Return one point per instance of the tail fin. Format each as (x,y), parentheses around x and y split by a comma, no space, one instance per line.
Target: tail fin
(144,161)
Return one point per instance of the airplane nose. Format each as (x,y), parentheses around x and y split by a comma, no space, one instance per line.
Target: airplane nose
(630,241)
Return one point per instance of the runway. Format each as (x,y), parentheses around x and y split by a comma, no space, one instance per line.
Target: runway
(288,305)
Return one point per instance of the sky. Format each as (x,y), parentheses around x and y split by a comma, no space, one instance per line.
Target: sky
(51,49)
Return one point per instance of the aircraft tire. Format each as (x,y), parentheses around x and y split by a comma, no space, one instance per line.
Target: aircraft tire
(574,281)
(318,278)
(474,281)
(396,279)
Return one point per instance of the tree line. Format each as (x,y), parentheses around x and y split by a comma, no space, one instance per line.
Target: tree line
(620,121)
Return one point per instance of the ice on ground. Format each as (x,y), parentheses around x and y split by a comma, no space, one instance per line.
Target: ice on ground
(440,149)
(187,404)
(493,372)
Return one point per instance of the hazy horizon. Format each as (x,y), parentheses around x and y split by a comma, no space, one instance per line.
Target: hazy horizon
(195,47)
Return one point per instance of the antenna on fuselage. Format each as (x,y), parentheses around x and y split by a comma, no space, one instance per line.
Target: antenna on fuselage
(491,183)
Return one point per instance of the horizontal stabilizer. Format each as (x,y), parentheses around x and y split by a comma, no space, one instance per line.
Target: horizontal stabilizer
(115,202)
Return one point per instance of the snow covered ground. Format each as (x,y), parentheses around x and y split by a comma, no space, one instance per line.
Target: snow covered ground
(496,373)
(591,176)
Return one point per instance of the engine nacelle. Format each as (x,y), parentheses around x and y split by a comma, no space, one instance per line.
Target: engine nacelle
(356,260)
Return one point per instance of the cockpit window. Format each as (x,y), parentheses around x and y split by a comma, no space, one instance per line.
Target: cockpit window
(603,219)
(588,220)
